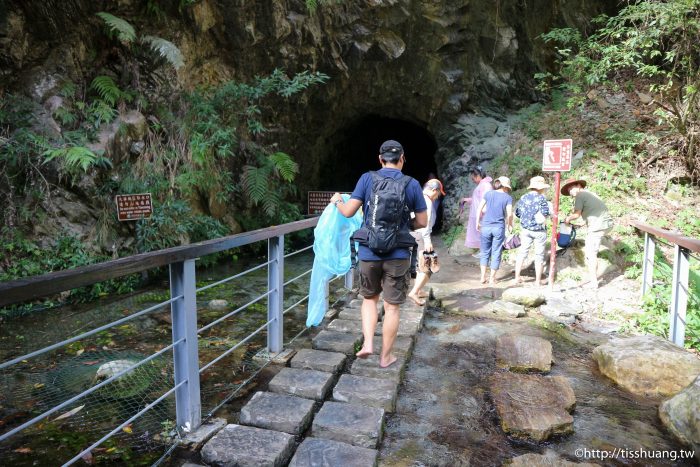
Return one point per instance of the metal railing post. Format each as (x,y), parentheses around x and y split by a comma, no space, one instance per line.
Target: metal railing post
(648,263)
(188,403)
(679,295)
(275,284)
(349,279)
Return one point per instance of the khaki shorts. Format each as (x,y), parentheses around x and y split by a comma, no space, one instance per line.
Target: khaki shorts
(593,240)
(390,276)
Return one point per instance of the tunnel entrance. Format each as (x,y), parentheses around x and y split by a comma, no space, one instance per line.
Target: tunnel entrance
(355,150)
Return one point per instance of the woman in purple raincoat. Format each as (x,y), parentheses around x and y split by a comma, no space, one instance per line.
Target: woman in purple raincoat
(483,184)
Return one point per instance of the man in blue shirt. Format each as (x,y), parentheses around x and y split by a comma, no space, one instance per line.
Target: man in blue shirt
(386,272)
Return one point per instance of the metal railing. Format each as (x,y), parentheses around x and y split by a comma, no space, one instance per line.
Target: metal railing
(187,371)
(684,247)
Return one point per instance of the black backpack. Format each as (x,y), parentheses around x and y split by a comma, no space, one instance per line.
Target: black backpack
(386,220)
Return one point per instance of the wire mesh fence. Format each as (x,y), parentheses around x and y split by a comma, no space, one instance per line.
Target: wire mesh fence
(45,383)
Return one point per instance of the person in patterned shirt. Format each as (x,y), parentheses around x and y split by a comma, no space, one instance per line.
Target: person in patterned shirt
(532,210)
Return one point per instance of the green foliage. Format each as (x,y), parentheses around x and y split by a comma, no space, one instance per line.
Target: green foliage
(119,28)
(166,50)
(24,258)
(76,157)
(107,89)
(126,34)
(653,40)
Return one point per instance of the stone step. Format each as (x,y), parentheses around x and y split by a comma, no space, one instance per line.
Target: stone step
(349,423)
(406,328)
(403,345)
(362,390)
(250,446)
(319,360)
(278,412)
(317,452)
(310,384)
(370,367)
(336,342)
(346,325)
(349,314)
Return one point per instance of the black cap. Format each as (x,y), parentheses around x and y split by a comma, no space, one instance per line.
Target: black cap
(391,150)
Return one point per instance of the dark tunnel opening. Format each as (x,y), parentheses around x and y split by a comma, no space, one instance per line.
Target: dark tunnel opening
(356,151)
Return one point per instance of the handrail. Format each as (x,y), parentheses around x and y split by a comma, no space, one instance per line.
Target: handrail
(692,244)
(683,247)
(47,284)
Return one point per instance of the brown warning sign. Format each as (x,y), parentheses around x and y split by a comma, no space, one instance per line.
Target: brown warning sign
(134,207)
(318,200)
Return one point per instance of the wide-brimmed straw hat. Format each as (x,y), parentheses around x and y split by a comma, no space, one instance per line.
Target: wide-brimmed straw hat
(505,182)
(569,182)
(537,183)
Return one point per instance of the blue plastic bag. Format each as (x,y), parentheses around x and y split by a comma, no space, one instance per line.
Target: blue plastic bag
(332,256)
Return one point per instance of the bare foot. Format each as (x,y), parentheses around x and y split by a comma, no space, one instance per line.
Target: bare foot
(518,280)
(388,362)
(423,295)
(363,353)
(483,280)
(416,300)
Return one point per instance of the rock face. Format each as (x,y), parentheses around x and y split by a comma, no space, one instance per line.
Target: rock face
(449,68)
(647,365)
(533,407)
(523,353)
(681,415)
(560,311)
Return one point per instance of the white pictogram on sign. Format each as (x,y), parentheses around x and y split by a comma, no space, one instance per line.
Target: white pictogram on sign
(557,155)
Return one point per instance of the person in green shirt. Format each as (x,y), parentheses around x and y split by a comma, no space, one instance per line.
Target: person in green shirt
(592,209)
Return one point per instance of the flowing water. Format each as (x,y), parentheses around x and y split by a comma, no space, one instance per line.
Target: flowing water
(445,416)
(33,386)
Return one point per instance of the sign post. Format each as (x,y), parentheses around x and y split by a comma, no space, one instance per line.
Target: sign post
(556,157)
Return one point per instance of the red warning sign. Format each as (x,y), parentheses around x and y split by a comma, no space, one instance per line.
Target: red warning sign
(556,156)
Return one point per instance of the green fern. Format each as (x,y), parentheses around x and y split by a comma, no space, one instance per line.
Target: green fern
(122,29)
(284,165)
(74,157)
(255,182)
(107,89)
(165,49)
(271,203)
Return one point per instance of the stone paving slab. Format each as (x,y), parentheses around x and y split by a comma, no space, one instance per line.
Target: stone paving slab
(319,360)
(350,314)
(403,345)
(316,452)
(248,446)
(523,353)
(201,435)
(336,342)
(310,384)
(349,423)
(406,328)
(278,412)
(370,367)
(345,325)
(362,390)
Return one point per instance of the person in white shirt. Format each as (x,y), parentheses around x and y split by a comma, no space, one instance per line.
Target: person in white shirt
(428,264)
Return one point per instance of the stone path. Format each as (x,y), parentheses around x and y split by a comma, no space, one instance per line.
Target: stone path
(327,408)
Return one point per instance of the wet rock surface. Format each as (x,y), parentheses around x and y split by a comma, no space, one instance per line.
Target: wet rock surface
(647,365)
(526,297)
(532,406)
(523,353)
(445,414)
(681,416)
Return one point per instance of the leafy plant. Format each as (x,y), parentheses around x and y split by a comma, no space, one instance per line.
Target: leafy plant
(119,28)
(654,40)
(74,157)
